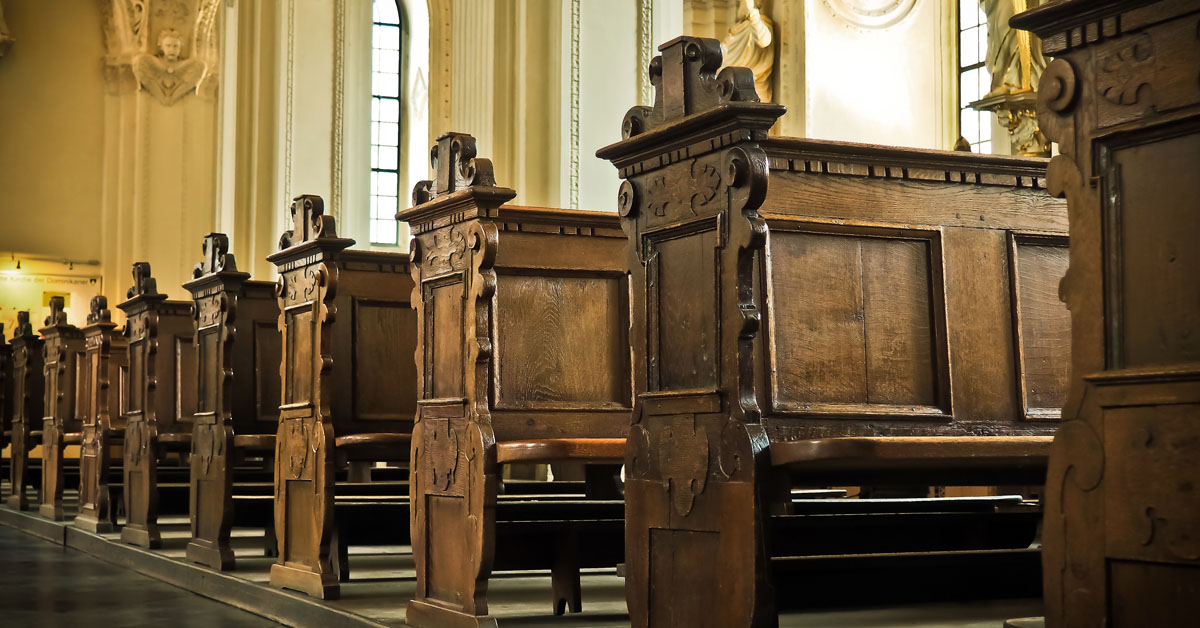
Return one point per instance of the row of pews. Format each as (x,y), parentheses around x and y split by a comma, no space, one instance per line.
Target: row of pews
(764,320)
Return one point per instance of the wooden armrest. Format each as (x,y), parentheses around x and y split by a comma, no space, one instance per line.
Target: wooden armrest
(886,453)
(73,438)
(593,450)
(35,433)
(374,446)
(175,440)
(263,442)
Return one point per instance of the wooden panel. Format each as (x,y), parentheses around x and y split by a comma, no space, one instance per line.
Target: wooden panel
(685,303)
(82,386)
(676,557)
(1043,324)
(207,363)
(1159,227)
(561,339)
(185,374)
(135,380)
(1163,596)
(299,359)
(445,329)
(851,320)
(445,560)
(384,342)
(266,368)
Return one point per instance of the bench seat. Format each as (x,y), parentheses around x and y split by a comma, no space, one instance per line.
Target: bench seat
(254,442)
(545,450)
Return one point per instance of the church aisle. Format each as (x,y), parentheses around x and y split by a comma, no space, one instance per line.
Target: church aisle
(50,586)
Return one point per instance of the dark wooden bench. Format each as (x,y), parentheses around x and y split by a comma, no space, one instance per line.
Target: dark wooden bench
(28,404)
(159,402)
(524,358)
(1122,527)
(63,350)
(106,358)
(237,393)
(6,397)
(347,383)
(810,312)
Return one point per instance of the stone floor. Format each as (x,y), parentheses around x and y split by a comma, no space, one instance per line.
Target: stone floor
(45,585)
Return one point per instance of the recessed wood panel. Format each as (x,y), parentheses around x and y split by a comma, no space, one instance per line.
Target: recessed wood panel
(135,381)
(851,320)
(384,367)
(1158,215)
(299,360)
(209,371)
(444,535)
(561,339)
(684,312)
(185,374)
(1044,325)
(266,370)
(676,557)
(444,341)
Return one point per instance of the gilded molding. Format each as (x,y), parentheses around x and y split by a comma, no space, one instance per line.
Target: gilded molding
(573,160)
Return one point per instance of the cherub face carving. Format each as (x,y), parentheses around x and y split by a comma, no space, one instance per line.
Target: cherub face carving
(171,46)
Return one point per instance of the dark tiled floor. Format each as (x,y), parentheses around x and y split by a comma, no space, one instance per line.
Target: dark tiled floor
(44,585)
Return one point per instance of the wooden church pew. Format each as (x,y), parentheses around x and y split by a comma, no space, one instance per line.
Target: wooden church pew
(347,384)
(159,404)
(811,313)
(106,358)
(63,350)
(1121,98)
(237,393)
(524,357)
(28,404)
(6,396)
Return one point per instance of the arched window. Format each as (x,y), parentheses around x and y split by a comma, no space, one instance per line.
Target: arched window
(385,122)
(974,80)
(399,112)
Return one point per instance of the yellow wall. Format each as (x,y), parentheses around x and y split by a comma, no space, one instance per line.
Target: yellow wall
(52,129)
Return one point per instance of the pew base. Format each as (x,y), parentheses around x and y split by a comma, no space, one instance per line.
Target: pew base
(53,512)
(17,502)
(422,614)
(142,536)
(92,524)
(210,554)
(303,579)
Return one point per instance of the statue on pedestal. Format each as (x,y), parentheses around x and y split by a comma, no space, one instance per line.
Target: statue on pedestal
(751,44)
(1015,60)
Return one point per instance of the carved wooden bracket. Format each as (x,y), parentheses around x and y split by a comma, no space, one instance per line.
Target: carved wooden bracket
(24,329)
(217,257)
(144,284)
(57,314)
(684,461)
(309,222)
(98,312)
(455,167)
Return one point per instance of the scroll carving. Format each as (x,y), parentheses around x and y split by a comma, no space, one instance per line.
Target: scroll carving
(456,167)
(144,283)
(57,315)
(1125,69)
(217,257)
(98,311)
(446,253)
(24,329)
(309,222)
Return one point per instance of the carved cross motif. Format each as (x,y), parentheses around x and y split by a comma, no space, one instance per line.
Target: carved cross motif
(98,311)
(1125,70)
(57,315)
(217,257)
(143,283)
(309,222)
(684,461)
(446,253)
(442,448)
(696,190)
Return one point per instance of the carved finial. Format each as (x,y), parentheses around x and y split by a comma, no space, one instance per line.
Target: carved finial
(58,315)
(686,81)
(2,333)
(455,168)
(23,326)
(143,283)
(217,257)
(309,222)
(98,313)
